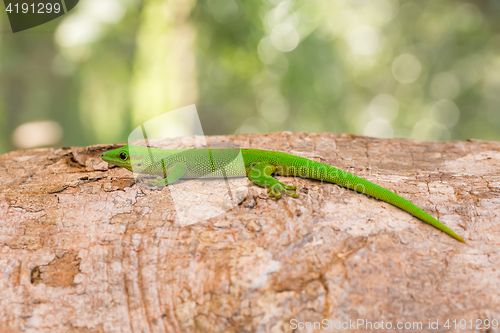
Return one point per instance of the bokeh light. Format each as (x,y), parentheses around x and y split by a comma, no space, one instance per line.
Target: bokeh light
(37,134)
(406,68)
(427,70)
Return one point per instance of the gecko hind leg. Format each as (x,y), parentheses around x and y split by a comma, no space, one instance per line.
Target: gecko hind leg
(260,174)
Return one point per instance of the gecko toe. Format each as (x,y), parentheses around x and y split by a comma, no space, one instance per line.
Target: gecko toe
(159,182)
(276,190)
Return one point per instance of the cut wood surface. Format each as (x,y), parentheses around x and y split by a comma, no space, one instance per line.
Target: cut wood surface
(85,249)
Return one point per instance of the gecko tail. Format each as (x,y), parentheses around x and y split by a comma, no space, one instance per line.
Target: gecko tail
(400,202)
(333,175)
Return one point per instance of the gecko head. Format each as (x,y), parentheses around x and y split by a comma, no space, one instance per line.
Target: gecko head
(132,158)
(119,157)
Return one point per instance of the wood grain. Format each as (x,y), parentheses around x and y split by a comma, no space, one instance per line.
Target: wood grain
(84,249)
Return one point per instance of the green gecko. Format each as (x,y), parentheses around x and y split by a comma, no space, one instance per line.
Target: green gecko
(259,166)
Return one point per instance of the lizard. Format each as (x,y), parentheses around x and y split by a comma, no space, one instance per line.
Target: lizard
(259,166)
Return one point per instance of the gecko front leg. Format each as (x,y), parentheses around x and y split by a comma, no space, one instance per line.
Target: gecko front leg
(175,173)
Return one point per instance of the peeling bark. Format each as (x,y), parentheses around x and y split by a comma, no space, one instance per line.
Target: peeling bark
(85,249)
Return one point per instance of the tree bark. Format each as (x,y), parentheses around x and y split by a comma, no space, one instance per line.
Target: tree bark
(85,249)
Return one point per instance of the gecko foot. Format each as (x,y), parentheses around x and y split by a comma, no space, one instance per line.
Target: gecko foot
(158,182)
(276,189)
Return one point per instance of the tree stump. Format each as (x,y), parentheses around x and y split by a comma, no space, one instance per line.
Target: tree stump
(85,249)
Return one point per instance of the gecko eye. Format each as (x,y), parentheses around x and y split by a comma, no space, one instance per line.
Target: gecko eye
(123,156)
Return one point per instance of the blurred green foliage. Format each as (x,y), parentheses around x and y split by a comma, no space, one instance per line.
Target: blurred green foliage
(424,69)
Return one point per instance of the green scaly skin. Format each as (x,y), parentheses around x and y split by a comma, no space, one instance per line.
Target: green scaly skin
(172,165)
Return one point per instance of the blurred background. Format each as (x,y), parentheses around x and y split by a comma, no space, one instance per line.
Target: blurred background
(425,69)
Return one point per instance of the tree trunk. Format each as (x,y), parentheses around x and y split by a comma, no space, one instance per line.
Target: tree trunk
(85,249)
